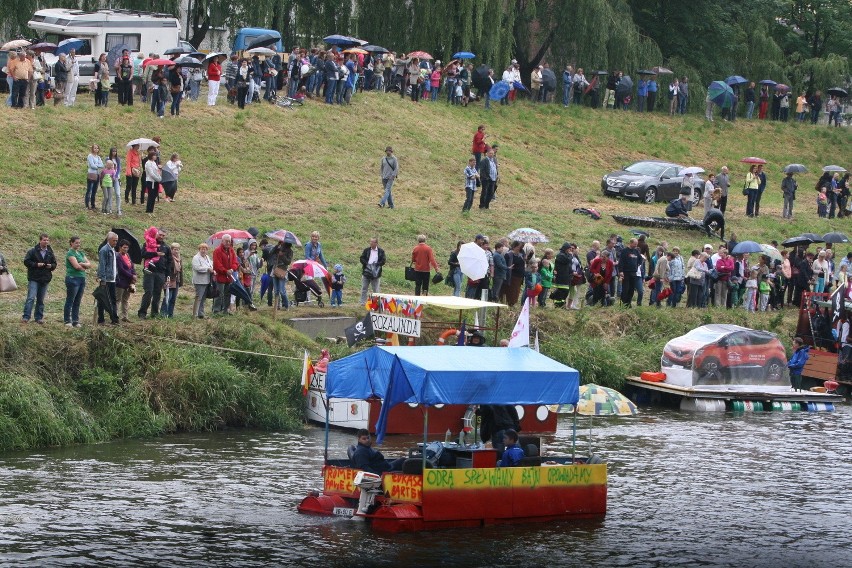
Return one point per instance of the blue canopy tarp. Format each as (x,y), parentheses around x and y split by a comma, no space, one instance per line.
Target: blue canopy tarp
(432,375)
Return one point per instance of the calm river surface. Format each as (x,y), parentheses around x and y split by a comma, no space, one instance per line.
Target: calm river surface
(770,489)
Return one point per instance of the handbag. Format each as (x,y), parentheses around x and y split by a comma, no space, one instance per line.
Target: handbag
(136,172)
(279,273)
(7,282)
(92,177)
(410,273)
(212,291)
(437,278)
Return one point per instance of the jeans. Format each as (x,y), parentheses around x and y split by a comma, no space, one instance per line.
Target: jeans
(330,88)
(487,97)
(74,286)
(280,287)
(655,293)
(91,192)
(372,283)
(200,296)
(749,109)
(161,107)
(496,287)
(167,308)
(752,197)
(451,89)
(677,292)
(468,202)
(682,102)
(36,291)
(10,83)
(19,91)
(787,212)
(110,305)
(106,202)
(819,285)
(176,98)
(433,96)
(387,198)
(152,283)
(457,281)
(336,298)
(640,289)
(566,95)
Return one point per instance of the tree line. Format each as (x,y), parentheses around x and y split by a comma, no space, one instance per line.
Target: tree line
(803,43)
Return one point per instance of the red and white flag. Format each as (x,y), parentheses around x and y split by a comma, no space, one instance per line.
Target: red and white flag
(521,333)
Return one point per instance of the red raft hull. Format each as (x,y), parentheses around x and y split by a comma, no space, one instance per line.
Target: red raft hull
(404,419)
(469,497)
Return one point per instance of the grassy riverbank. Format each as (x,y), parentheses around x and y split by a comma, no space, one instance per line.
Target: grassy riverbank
(316,168)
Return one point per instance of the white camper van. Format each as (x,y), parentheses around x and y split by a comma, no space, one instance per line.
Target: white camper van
(102,30)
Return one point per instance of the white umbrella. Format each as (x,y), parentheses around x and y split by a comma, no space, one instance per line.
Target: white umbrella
(473,261)
(15,44)
(527,235)
(144,143)
(833,169)
(261,51)
(691,170)
(214,54)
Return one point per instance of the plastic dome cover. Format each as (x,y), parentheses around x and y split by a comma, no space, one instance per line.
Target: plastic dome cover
(722,355)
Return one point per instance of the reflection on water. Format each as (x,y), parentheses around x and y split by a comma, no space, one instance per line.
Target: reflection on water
(697,490)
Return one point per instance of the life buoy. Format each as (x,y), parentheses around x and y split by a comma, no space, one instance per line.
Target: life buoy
(442,339)
(650,377)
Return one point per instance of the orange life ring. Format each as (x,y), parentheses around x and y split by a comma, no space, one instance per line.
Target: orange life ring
(442,339)
(653,377)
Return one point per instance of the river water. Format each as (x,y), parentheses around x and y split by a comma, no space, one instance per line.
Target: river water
(769,489)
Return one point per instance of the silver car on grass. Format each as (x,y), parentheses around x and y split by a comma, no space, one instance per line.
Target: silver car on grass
(649,181)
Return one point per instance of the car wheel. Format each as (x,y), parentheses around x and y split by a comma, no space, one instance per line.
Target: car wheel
(774,371)
(696,196)
(651,195)
(710,372)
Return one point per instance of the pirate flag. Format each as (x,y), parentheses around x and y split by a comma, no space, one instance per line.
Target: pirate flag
(359,331)
(839,302)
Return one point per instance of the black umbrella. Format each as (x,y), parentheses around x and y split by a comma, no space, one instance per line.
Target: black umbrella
(264,40)
(238,290)
(813,237)
(795,169)
(177,51)
(625,85)
(200,55)
(374,48)
(548,78)
(835,238)
(480,78)
(796,242)
(133,250)
(187,61)
(837,92)
(600,73)
(646,72)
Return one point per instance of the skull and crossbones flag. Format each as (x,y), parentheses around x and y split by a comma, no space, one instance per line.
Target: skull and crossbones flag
(359,331)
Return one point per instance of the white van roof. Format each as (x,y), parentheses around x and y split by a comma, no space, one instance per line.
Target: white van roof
(69,20)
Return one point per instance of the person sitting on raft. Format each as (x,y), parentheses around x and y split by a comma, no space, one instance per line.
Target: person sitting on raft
(513,454)
(368,459)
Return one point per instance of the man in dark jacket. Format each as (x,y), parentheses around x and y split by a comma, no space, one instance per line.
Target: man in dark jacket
(496,419)
(488,178)
(40,262)
(372,261)
(628,266)
(365,458)
(107,274)
(154,276)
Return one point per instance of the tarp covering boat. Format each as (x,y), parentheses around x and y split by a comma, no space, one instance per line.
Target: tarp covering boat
(432,375)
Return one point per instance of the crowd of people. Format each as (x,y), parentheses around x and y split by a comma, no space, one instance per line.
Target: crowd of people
(335,74)
(248,273)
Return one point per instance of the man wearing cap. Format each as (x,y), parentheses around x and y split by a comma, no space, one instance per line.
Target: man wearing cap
(678,207)
(390,171)
(629,262)
(231,68)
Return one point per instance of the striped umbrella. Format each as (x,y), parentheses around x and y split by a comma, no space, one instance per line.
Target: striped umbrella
(596,400)
(527,235)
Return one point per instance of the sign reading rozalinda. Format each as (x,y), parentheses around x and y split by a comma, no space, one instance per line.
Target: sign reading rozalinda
(395,324)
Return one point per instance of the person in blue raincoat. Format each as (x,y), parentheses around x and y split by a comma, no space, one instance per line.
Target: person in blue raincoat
(801,354)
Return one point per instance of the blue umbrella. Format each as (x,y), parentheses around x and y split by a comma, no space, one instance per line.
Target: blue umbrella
(734,80)
(747,247)
(463,55)
(337,39)
(114,54)
(769,82)
(721,94)
(499,90)
(519,86)
(66,45)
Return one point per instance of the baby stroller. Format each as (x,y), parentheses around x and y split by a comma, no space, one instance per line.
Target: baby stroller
(305,288)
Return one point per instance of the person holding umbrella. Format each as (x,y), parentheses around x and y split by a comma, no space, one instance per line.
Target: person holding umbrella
(225,264)
(214,78)
(750,189)
(132,173)
(788,189)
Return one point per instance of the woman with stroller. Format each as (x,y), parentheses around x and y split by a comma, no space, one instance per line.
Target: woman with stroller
(282,257)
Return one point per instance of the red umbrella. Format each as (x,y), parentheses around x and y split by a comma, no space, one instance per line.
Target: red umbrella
(420,55)
(753,160)
(158,62)
(45,47)
(311,268)
(284,236)
(236,235)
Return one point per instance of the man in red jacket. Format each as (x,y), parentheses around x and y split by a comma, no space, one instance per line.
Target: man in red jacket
(224,265)
(423,258)
(601,270)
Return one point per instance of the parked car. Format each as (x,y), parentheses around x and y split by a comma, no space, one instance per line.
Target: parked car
(728,354)
(649,181)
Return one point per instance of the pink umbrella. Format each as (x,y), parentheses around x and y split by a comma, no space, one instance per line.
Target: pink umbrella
(235,234)
(311,268)
(753,160)
(158,62)
(284,236)
(419,55)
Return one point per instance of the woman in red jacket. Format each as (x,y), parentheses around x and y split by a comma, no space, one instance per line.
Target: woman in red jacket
(601,270)
(132,173)
(479,144)
(214,75)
